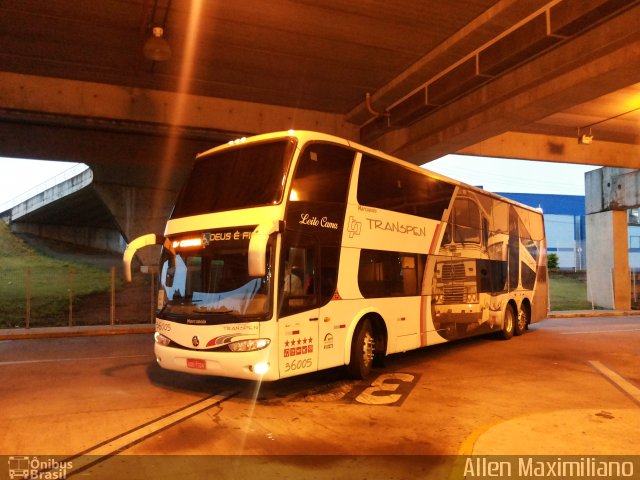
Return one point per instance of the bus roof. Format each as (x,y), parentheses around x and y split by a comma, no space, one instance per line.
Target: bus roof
(307,135)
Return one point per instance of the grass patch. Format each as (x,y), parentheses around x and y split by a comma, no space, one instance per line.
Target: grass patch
(49,281)
(568,293)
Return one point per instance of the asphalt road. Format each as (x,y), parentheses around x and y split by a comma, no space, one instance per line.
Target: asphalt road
(101,406)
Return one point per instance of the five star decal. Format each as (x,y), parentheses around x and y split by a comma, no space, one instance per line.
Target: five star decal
(298,346)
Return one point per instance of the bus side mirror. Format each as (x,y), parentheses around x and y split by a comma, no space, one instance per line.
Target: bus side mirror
(134,246)
(258,247)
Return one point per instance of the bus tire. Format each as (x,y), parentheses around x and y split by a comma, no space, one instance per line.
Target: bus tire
(508,323)
(522,321)
(362,351)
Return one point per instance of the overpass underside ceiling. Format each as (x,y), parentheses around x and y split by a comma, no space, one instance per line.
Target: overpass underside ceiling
(559,85)
(447,76)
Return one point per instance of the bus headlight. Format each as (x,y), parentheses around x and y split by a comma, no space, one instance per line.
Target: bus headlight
(161,339)
(249,345)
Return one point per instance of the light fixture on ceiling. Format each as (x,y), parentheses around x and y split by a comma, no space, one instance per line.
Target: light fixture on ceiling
(156,47)
(584,138)
(587,138)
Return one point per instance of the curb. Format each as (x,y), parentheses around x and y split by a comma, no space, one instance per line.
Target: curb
(593,313)
(79,331)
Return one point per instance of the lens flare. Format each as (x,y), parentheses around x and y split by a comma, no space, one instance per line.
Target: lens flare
(176,113)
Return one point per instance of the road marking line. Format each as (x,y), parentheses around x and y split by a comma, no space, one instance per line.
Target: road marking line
(601,331)
(53,360)
(467,445)
(618,380)
(116,445)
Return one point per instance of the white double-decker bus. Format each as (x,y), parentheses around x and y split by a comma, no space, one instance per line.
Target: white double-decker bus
(292,252)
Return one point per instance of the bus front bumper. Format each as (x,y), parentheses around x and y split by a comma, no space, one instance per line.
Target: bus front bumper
(254,365)
(465,313)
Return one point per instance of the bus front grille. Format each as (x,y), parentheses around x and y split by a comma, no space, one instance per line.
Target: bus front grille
(454,294)
(453,272)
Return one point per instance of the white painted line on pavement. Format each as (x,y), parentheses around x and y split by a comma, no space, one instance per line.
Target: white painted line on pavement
(602,331)
(618,380)
(115,445)
(77,359)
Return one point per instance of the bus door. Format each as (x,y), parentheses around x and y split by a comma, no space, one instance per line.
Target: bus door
(299,309)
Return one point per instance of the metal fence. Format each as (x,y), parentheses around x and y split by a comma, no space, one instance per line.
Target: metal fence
(64,296)
(635,289)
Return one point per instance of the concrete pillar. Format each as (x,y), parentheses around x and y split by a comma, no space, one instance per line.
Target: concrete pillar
(138,211)
(608,275)
(609,193)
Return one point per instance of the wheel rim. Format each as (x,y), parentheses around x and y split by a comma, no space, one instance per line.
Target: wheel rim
(509,320)
(522,321)
(368,349)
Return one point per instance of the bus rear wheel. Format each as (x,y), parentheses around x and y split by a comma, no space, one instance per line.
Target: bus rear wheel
(508,323)
(522,321)
(362,351)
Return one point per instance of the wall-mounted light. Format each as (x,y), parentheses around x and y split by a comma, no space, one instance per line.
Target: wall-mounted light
(156,47)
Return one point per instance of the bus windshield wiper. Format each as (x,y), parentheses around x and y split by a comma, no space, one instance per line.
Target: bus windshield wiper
(205,311)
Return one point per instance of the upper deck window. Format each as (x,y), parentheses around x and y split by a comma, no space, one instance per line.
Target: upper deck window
(323,174)
(250,175)
(393,187)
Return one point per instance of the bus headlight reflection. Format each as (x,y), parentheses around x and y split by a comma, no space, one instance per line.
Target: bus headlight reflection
(249,345)
(161,339)
(260,368)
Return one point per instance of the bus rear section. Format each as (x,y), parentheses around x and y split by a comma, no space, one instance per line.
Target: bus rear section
(490,269)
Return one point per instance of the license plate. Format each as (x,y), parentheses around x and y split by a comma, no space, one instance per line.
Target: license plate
(196,363)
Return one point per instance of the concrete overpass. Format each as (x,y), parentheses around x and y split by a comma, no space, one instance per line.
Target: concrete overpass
(47,213)
(520,79)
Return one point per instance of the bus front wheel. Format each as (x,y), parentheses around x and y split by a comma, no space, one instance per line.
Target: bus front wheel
(362,351)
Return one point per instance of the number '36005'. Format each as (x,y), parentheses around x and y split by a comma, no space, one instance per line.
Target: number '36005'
(297,365)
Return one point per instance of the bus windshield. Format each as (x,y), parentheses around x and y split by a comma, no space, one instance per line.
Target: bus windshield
(205,280)
(247,176)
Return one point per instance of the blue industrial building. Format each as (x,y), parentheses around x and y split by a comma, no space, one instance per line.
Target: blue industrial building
(564,218)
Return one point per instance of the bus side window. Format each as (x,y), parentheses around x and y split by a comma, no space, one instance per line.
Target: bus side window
(388,274)
(298,283)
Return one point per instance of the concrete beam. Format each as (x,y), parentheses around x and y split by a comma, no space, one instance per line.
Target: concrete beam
(553,148)
(109,240)
(602,60)
(110,152)
(612,189)
(95,100)
(504,12)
